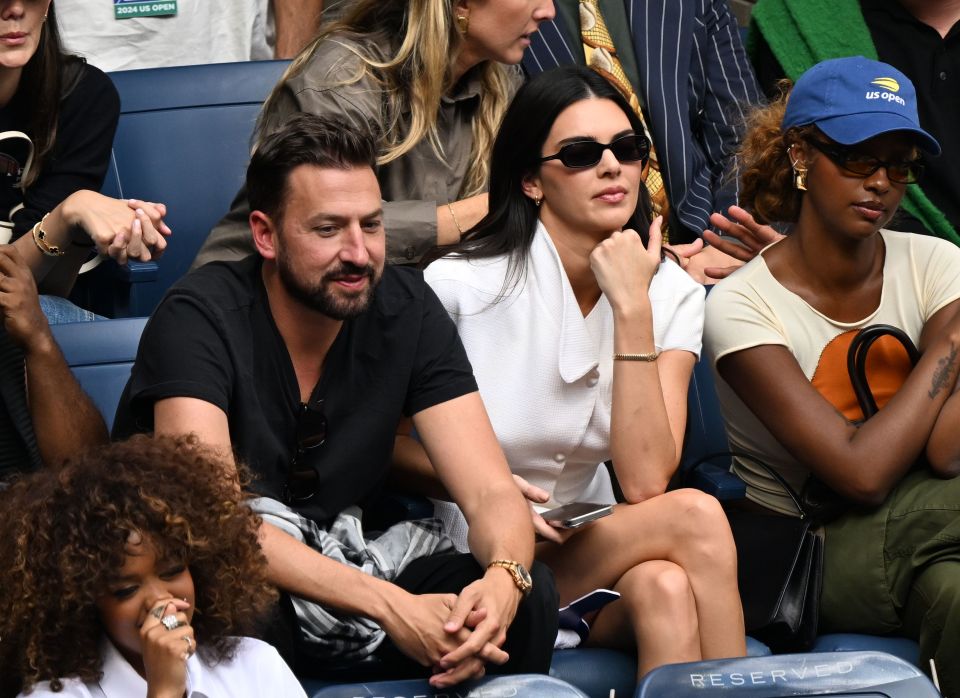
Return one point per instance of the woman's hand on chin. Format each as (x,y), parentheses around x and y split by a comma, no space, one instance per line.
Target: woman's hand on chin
(624,267)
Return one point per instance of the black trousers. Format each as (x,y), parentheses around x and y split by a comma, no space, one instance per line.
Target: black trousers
(529,640)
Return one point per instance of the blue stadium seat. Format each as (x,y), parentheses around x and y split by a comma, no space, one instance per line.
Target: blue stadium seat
(100,355)
(706,434)
(905,649)
(183,139)
(597,671)
(521,685)
(863,674)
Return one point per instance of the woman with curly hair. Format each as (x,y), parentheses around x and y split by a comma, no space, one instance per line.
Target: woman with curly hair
(431,78)
(833,161)
(133,571)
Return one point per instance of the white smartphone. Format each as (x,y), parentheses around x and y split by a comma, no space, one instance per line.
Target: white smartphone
(576,514)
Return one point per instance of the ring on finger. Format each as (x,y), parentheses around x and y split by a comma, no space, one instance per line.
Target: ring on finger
(158,611)
(170,622)
(189,644)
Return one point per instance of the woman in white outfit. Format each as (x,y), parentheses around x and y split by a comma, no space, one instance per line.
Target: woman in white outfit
(583,341)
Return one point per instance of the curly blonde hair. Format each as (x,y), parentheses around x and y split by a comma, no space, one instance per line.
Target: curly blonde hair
(766,173)
(64,532)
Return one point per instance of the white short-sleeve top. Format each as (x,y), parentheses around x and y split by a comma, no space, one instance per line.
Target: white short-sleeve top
(255,671)
(544,370)
(751,308)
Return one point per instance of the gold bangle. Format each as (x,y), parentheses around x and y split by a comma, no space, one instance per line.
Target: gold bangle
(652,356)
(40,240)
(454,217)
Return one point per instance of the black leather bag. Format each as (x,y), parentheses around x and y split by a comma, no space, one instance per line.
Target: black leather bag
(820,502)
(779,569)
(780,558)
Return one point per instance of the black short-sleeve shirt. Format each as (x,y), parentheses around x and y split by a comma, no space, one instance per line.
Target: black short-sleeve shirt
(81,153)
(213,338)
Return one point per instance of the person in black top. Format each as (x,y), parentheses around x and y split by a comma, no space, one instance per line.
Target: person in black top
(57,120)
(301,360)
(921,38)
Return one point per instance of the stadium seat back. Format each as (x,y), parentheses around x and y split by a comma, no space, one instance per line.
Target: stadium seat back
(184,140)
(100,355)
(872,674)
(520,686)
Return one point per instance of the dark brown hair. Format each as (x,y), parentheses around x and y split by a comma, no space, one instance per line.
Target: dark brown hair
(304,139)
(64,532)
(48,77)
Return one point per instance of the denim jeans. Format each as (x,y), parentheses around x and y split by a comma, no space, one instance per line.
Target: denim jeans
(59,311)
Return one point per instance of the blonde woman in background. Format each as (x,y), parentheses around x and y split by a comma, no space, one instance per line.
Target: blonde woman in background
(429,77)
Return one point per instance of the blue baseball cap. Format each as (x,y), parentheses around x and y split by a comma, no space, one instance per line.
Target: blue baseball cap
(854,99)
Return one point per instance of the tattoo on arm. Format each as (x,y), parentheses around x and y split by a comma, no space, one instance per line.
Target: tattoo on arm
(945,368)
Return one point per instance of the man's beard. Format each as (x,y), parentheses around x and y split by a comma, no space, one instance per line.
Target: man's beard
(321,298)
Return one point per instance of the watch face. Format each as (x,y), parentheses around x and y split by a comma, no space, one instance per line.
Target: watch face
(524,575)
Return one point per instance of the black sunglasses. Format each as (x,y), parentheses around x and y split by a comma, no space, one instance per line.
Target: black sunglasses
(628,148)
(302,479)
(863,165)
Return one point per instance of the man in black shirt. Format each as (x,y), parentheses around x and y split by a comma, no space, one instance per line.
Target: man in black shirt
(302,360)
(921,38)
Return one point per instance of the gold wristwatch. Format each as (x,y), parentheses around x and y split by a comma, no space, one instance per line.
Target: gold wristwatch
(519,573)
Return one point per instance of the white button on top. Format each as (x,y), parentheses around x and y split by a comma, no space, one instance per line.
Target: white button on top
(560,458)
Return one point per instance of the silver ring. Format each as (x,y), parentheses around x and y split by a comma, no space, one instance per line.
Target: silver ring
(158,611)
(189,644)
(170,622)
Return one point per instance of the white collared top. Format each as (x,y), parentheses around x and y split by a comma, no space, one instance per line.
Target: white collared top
(545,371)
(255,671)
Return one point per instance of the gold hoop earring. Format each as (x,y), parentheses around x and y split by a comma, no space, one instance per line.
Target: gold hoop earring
(463,23)
(537,200)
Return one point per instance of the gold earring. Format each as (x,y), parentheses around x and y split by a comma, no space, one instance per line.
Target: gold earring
(463,23)
(799,172)
(799,177)
(536,200)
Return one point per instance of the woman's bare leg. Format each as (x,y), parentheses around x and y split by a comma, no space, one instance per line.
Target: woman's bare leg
(656,615)
(686,527)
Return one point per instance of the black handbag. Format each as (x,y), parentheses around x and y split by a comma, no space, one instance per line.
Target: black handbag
(780,558)
(779,569)
(819,501)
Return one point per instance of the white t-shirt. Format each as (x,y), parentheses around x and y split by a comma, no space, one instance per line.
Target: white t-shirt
(750,308)
(544,370)
(256,671)
(202,31)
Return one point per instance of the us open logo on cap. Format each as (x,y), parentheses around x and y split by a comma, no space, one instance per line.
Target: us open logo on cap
(890,88)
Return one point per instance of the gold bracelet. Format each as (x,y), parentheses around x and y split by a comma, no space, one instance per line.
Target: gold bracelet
(455,221)
(652,356)
(40,239)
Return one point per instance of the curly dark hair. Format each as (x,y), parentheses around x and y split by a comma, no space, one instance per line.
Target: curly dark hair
(766,173)
(64,531)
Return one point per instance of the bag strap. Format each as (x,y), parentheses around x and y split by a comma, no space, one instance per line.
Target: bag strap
(857,362)
(790,492)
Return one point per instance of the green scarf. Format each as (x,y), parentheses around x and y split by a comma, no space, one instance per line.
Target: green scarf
(801,33)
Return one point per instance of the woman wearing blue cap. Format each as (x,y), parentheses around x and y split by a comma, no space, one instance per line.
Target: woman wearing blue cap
(833,161)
